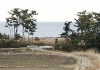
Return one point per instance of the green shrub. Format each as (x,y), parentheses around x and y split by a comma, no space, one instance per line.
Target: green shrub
(36,39)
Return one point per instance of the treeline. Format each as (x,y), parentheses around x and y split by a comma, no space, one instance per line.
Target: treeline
(21,18)
(18,18)
(87,35)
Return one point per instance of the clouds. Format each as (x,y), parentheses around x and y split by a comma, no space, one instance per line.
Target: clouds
(50,10)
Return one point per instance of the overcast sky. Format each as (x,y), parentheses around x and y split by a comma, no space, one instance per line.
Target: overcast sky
(50,10)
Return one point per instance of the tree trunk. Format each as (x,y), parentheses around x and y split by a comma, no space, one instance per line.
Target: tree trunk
(28,36)
(10,32)
(32,37)
(23,36)
(14,30)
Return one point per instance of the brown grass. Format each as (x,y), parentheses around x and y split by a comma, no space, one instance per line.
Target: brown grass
(39,60)
(94,57)
(36,60)
(96,62)
(27,62)
(51,41)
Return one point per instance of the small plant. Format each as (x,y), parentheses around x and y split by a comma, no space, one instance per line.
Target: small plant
(17,36)
(36,39)
(4,36)
(56,44)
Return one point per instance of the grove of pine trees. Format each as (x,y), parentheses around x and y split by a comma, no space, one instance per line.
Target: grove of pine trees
(21,17)
(88,30)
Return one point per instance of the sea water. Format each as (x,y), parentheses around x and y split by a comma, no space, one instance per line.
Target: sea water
(44,29)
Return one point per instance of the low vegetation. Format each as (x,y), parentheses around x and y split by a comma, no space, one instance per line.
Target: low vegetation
(93,55)
(37,59)
(11,44)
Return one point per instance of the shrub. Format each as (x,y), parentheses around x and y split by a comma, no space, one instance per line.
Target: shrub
(36,39)
(11,44)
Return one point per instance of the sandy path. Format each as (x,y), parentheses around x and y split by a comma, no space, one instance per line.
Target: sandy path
(82,61)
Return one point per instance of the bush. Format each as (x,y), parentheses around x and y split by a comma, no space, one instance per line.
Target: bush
(63,45)
(36,39)
(11,44)
(4,36)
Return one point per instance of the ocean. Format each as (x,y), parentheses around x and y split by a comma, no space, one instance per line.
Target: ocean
(44,29)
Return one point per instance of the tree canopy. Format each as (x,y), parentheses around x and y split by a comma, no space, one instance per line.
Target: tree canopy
(88,29)
(21,17)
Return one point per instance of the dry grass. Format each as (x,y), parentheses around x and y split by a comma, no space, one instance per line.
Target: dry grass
(91,53)
(96,62)
(36,60)
(51,41)
(94,57)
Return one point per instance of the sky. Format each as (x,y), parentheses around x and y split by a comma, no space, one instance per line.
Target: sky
(50,10)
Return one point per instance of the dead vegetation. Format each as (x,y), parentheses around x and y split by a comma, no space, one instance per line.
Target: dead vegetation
(36,60)
(93,55)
